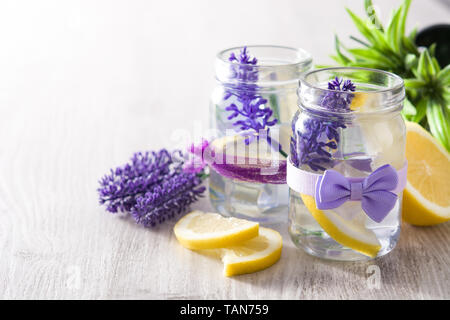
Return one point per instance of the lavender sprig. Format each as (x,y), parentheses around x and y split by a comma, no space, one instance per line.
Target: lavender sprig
(119,188)
(313,151)
(172,197)
(320,136)
(253,115)
(341,99)
(244,71)
(148,176)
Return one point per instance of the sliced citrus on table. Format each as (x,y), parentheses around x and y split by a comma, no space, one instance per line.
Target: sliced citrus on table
(253,255)
(199,230)
(349,233)
(426,198)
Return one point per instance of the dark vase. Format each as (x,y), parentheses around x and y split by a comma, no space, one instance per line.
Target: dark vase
(439,34)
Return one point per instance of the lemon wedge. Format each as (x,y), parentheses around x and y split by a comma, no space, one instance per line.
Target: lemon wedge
(233,147)
(252,255)
(358,101)
(349,233)
(199,230)
(426,198)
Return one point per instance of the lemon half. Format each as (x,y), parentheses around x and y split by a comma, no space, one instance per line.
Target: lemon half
(426,198)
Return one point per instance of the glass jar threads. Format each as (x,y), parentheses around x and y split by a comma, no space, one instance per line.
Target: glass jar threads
(347,166)
(250,111)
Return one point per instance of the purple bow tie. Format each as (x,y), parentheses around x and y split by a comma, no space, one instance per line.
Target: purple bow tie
(374,191)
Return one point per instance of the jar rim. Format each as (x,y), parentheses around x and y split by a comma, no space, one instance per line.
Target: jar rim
(391,96)
(277,65)
(399,85)
(303,58)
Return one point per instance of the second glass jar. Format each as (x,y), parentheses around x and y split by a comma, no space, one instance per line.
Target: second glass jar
(250,111)
(348,128)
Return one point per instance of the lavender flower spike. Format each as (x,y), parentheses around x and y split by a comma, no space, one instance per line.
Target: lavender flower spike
(252,117)
(119,188)
(168,199)
(153,187)
(341,99)
(320,137)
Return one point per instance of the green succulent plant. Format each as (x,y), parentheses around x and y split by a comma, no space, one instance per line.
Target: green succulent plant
(389,48)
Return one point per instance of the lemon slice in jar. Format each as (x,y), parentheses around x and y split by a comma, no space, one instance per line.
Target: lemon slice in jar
(349,233)
(358,100)
(257,161)
(234,147)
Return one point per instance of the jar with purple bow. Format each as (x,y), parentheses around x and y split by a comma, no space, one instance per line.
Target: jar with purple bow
(250,112)
(347,166)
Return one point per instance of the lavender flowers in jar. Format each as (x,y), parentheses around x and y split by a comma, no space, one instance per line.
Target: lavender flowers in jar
(250,112)
(347,166)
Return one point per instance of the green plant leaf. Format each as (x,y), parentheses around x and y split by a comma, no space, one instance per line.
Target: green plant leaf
(444,76)
(414,83)
(416,73)
(410,61)
(421,110)
(340,55)
(381,44)
(362,26)
(410,46)
(412,35)
(446,96)
(423,68)
(360,41)
(392,31)
(439,123)
(403,15)
(436,65)
(373,56)
(432,49)
(337,59)
(431,69)
(371,14)
(323,66)
(389,48)
(362,64)
(408,109)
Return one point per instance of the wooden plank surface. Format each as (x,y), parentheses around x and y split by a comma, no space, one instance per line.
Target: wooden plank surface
(84,85)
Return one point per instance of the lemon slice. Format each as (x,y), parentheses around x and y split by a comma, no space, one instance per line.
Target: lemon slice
(253,255)
(349,233)
(199,230)
(358,101)
(426,198)
(234,148)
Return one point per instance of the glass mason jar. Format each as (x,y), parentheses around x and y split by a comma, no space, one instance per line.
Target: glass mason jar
(250,112)
(347,165)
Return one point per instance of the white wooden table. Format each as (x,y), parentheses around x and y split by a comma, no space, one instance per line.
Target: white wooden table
(85,84)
